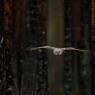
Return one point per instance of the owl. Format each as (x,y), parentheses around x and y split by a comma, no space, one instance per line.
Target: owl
(56,51)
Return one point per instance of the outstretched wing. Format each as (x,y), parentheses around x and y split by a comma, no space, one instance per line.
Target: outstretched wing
(42,47)
(74,49)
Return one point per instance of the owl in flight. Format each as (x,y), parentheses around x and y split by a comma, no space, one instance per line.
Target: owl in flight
(57,51)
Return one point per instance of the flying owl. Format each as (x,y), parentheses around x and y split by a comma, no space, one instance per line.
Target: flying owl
(57,51)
